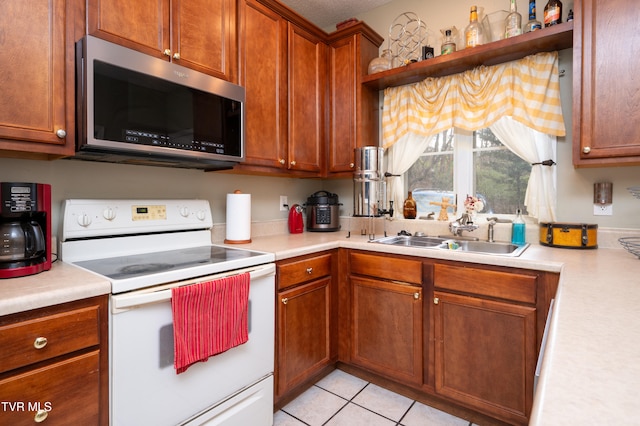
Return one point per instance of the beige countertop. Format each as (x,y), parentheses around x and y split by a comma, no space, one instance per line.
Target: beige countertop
(591,369)
(62,283)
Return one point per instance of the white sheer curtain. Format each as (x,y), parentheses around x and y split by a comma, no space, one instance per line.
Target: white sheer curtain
(400,157)
(533,147)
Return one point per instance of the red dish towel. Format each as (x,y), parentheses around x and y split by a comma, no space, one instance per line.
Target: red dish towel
(209,318)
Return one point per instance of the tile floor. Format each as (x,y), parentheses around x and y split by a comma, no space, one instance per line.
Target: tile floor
(341,399)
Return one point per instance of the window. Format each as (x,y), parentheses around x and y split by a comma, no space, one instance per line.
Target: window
(460,162)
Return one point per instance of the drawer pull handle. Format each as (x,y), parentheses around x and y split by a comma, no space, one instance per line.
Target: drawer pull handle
(41,416)
(40,342)
(285,300)
(436,300)
(309,271)
(416,295)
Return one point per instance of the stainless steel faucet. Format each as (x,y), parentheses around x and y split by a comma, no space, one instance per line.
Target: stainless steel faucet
(492,222)
(463,223)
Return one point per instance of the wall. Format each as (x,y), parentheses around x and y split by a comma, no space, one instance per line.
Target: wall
(81,179)
(575,186)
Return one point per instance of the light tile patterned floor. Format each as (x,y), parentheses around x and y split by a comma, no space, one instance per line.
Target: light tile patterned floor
(341,399)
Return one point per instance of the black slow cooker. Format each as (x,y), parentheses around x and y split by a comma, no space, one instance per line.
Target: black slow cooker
(323,212)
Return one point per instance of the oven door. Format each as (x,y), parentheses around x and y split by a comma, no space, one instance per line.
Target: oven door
(145,388)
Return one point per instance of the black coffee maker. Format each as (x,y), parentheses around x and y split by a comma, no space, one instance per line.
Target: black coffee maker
(25,229)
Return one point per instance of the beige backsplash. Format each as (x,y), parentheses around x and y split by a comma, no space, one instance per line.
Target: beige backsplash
(607,237)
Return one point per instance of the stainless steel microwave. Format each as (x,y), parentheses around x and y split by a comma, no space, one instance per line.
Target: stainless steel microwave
(137,109)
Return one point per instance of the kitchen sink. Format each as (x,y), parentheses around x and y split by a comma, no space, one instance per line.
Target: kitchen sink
(485,247)
(439,243)
(411,241)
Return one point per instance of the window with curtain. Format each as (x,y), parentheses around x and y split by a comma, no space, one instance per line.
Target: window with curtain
(485,167)
(518,101)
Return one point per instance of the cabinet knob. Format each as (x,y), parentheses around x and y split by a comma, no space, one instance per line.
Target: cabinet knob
(40,342)
(309,271)
(284,300)
(351,165)
(61,133)
(176,56)
(167,52)
(40,416)
(281,161)
(416,295)
(436,300)
(586,149)
(293,163)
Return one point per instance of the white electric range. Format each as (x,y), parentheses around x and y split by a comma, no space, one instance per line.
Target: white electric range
(145,248)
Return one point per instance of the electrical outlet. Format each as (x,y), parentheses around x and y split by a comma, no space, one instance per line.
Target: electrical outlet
(284,203)
(603,209)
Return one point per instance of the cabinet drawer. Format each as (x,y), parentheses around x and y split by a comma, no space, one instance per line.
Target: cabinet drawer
(303,270)
(503,285)
(38,339)
(63,393)
(389,268)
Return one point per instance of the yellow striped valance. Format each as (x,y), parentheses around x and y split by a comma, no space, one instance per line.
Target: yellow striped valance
(528,90)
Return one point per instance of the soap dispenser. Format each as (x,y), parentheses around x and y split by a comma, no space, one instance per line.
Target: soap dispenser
(518,229)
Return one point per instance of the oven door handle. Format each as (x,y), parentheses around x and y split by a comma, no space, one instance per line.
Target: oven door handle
(124,302)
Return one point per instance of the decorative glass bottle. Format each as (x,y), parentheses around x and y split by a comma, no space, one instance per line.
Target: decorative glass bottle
(518,229)
(409,210)
(513,23)
(473,34)
(533,23)
(448,43)
(552,13)
(381,63)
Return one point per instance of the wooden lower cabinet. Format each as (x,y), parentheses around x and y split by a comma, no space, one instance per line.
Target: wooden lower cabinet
(305,323)
(387,328)
(463,336)
(485,354)
(54,365)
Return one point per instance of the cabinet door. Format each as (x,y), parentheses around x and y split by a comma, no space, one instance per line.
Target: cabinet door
(303,333)
(264,76)
(36,82)
(485,354)
(387,328)
(203,36)
(354,107)
(606,102)
(307,87)
(64,393)
(143,25)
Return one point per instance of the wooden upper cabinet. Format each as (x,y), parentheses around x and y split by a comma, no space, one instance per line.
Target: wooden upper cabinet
(353,120)
(199,34)
(606,104)
(307,77)
(263,69)
(37,78)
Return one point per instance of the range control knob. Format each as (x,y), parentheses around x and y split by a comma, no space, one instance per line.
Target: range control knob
(84,220)
(184,211)
(109,213)
(201,215)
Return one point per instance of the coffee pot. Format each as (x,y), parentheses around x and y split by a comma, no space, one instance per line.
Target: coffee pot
(25,229)
(21,241)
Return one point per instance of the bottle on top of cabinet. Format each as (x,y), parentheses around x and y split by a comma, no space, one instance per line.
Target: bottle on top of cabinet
(552,13)
(473,34)
(533,23)
(513,22)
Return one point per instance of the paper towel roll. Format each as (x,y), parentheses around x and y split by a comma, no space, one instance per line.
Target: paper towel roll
(238,218)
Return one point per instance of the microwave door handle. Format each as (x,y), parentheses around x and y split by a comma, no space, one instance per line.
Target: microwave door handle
(124,302)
